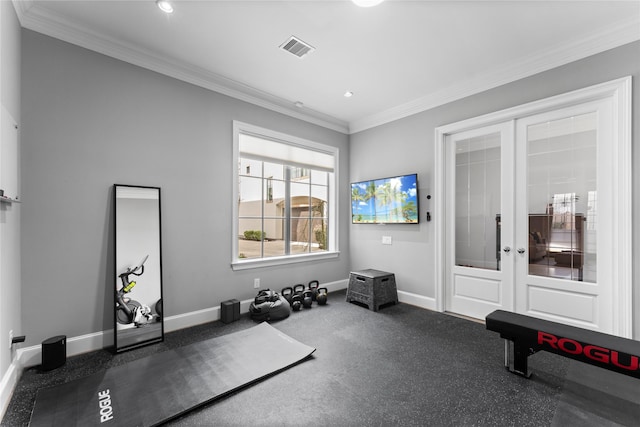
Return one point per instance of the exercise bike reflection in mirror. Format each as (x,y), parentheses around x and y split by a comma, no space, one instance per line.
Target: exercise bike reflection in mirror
(129,310)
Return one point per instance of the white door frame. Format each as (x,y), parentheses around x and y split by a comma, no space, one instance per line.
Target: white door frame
(619,91)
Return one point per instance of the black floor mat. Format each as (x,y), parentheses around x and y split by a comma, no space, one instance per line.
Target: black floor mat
(162,386)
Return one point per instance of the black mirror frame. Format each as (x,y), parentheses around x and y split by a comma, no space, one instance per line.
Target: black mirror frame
(141,340)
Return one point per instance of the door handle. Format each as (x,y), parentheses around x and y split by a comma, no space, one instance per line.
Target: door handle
(521,251)
(507,249)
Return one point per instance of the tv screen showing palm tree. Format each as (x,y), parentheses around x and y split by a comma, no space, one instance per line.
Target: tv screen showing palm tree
(385,201)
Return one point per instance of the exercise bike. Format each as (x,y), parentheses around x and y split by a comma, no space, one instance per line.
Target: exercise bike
(128,310)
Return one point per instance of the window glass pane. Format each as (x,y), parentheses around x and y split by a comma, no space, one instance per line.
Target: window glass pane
(250,196)
(319,235)
(319,177)
(274,243)
(249,240)
(318,201)
(300,228)
(300,174)
(250,167)
(300,199)
(273,170)
(274,195)
(300,224)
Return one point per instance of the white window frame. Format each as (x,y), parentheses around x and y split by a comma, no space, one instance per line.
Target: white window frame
(332,237)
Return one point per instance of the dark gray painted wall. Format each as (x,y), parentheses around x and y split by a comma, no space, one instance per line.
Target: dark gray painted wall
(91,121)
(407,145)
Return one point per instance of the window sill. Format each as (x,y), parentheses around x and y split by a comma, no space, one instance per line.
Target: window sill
(275,261)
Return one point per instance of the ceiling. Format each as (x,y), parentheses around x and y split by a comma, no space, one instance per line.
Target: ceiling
(398,58)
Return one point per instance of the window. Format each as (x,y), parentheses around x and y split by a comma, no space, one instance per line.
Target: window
(284,198)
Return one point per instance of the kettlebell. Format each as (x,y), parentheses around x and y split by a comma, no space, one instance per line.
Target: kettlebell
(296,303)
(287,293)
(298,290)
(322,296)
(307,298)
(313,287)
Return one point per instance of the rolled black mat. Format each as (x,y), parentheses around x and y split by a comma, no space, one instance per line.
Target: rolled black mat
(157,388)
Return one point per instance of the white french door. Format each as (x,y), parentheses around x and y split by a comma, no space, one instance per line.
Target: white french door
(564,211)
(479,194)
(537,211)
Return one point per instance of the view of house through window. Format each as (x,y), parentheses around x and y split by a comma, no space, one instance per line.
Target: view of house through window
(283,199)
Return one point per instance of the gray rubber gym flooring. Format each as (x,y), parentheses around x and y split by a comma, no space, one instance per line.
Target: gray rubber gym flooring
(400,366)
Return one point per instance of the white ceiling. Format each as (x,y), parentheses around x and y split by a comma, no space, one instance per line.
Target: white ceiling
(398,58)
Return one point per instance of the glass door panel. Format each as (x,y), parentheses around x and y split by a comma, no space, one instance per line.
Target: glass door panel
(562,178)
(477,201)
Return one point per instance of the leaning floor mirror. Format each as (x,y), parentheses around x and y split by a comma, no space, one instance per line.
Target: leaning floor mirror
(138,316)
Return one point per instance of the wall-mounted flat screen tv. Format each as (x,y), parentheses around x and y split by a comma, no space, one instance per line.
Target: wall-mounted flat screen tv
(385,201)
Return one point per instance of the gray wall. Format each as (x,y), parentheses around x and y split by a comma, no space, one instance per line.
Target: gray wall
(407,145)
(91,121)
(9,214)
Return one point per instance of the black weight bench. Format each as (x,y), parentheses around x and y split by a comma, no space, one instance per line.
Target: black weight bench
(525,335)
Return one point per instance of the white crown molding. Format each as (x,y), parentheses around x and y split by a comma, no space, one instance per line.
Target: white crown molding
(40,20)
(616,35)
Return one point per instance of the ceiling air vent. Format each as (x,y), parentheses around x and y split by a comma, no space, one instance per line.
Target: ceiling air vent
(297,47)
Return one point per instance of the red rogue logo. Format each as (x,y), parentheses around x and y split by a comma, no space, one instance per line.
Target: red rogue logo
(593,352)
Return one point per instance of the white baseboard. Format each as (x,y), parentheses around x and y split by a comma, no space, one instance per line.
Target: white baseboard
(417,300)
(31,356)
(8,384)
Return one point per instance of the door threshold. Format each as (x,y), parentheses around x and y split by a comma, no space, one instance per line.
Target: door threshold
(462,316)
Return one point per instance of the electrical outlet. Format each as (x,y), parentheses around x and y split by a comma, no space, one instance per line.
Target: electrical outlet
(386,240)
(256,283)
(10,338)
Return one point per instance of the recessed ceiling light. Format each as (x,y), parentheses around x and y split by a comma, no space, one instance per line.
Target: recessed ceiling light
(367,3)
(165,6)
(348,94)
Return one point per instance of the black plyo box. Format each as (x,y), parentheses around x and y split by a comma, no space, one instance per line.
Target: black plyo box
(373,288)
(230,311)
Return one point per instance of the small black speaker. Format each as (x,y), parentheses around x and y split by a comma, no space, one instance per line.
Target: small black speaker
(54,352)
(230,311)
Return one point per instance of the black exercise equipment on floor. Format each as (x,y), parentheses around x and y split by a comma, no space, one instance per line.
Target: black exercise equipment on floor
(322,296)
(154,389)
(313,287)
(269,305)
(525,335)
